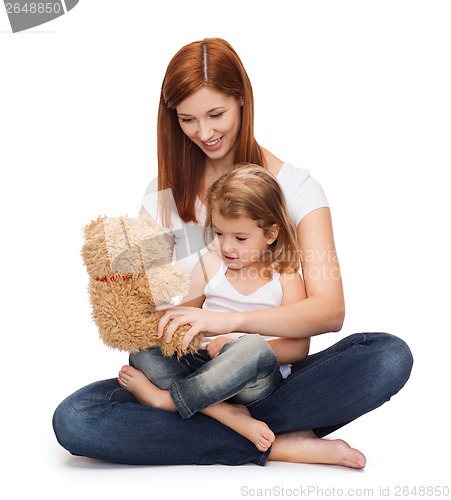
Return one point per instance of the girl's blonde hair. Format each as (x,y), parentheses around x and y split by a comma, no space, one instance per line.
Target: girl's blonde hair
(252,191)
(212,63)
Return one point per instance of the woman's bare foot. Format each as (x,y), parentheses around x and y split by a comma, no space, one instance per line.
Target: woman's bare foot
(238,418)
(144,391)
(306,447)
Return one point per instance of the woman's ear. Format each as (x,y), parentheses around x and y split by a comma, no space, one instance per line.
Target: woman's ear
(272,234)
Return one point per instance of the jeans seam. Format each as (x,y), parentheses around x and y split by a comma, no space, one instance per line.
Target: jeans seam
(113,392)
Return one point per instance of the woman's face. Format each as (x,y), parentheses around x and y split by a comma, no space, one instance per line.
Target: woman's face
(212,120)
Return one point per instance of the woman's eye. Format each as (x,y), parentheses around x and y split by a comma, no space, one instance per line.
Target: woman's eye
(217,116)
(184,120)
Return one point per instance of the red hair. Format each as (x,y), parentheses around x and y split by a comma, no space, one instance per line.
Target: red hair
(212,63)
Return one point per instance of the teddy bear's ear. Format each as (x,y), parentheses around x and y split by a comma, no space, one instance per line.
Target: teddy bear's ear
(141,246)
(94,251)
(124,245)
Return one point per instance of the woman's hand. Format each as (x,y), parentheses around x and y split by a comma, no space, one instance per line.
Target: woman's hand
(214,346)
(200,320)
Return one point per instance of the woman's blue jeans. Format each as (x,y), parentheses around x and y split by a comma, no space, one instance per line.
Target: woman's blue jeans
(245,371)
(324,392)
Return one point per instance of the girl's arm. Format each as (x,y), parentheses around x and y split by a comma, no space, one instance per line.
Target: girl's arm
(195,296)
(207,265)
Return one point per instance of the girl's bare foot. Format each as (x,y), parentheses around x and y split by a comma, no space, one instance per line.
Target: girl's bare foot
(144,391)
(238,418)
(306,447)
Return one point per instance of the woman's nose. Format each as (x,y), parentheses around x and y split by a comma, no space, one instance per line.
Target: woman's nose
(205,132)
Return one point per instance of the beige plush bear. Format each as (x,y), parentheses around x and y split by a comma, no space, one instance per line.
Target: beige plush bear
(129,263)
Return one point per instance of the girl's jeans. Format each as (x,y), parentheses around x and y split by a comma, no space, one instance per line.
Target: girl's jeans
(245,371)
(324,392)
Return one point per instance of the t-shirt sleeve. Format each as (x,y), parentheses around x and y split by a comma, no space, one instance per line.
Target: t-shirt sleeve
(303,192)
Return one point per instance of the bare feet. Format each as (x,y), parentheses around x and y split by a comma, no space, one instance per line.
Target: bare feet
(144,391)
(238,418)
(305,447)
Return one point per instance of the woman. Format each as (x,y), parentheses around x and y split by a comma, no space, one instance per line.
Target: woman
(205,126)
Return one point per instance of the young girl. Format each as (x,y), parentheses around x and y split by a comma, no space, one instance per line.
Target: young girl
(254,266)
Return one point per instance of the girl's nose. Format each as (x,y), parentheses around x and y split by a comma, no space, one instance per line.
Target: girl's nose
(227,246)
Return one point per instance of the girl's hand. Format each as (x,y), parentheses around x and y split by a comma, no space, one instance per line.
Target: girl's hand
(200,320)
(214,347)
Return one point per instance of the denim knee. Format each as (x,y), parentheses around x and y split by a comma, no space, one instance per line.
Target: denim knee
(253,345)
(160,370)
(144,360)
(83,409)
(397,358)
(63,423)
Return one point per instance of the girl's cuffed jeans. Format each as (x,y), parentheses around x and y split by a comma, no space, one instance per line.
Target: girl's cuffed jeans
(246,370)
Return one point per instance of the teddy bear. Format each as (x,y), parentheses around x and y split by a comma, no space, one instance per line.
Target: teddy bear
(130,268)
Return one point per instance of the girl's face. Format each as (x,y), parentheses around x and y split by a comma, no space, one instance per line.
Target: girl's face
(212,120)
(241,242)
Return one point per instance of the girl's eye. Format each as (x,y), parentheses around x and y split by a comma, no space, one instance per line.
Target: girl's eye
(185,120)
(239,238)
(217,233)
(217,116)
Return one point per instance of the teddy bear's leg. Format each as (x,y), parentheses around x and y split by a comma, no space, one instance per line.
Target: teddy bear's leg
(161,370)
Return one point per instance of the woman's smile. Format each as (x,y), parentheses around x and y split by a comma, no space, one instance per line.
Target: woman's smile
(213,145)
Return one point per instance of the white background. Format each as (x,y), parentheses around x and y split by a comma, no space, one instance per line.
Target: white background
(355,91)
